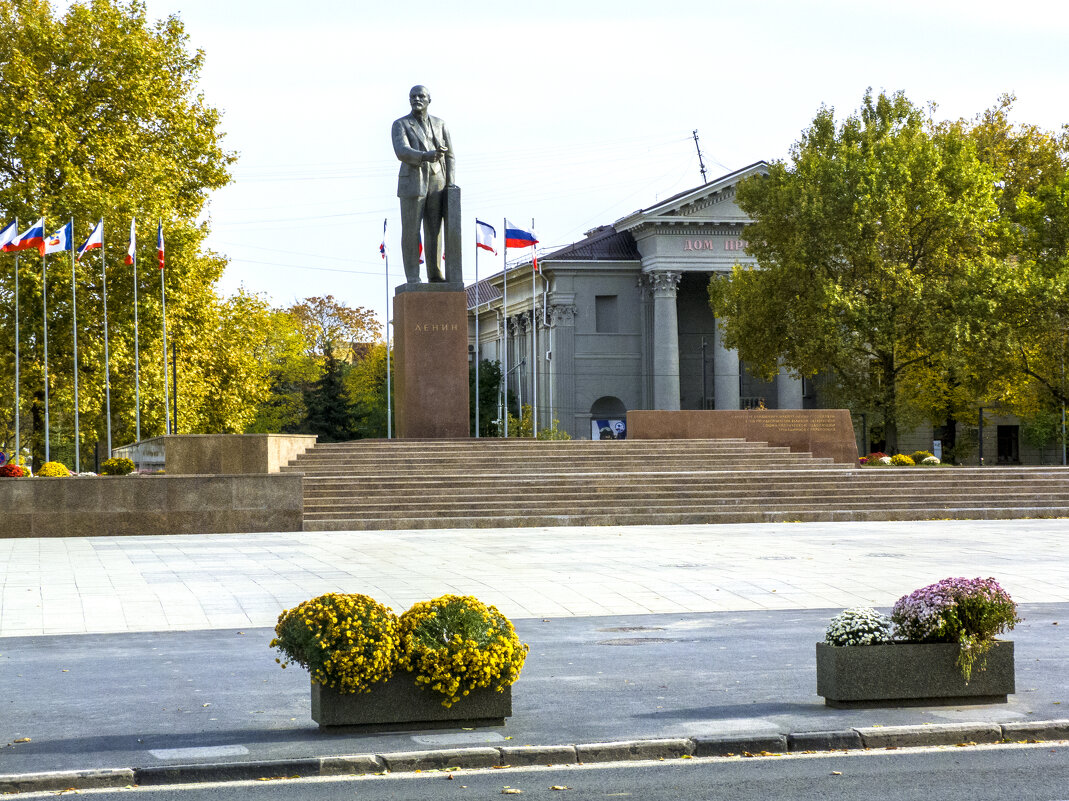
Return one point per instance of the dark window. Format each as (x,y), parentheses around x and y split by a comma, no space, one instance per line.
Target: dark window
(605,319)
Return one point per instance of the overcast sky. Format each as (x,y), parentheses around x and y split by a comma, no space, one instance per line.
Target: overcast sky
(570,114)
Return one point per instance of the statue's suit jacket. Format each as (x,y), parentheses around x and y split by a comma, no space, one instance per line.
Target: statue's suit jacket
(409,142)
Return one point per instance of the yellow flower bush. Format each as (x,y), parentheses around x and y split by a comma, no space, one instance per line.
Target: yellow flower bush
(455,643)
(347,642)
(54,470)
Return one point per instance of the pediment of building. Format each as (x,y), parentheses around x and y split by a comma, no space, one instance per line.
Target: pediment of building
(709,205)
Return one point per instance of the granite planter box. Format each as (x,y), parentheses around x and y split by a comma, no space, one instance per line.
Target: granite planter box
(398,703)
(910,674)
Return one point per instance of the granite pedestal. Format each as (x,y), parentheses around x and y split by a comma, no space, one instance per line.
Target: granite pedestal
(431,350)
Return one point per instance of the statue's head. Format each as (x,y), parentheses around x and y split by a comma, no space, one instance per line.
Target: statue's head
(419,97)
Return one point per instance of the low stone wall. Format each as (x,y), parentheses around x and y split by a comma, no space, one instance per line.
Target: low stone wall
(213,454)
(217,454)
(827,433)
(131,505)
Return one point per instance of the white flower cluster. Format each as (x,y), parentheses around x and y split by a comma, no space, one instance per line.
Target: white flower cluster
(929,460)
(884,460)
(861,625)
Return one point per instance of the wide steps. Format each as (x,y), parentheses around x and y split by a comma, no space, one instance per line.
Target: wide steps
(413,484)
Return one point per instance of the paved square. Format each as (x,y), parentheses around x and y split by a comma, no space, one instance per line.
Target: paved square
(117,584)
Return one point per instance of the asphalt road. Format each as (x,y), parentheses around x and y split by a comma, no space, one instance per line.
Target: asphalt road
(999,773)
(140,699)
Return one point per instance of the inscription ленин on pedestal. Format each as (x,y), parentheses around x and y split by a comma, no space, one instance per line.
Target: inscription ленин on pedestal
(430,328)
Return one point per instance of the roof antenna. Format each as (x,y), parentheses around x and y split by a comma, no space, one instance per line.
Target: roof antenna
(700,162)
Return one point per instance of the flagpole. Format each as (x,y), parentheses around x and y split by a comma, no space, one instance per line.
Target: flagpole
(389,404)
(18,443)
(137,359)
(163,309)
(107,355)
(44,302)
(505,325)
(476,328)
(534,341)
(74,337)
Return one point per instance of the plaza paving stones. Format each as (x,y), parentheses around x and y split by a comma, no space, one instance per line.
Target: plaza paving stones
(128,584)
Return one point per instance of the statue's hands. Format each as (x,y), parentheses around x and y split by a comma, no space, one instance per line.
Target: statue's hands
(434,155)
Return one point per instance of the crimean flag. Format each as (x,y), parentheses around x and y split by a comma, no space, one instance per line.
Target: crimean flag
(32,237)
(485,236)
(516,237)
(8,235)
(131,244)
(60,241)
(95,240)
(159,244)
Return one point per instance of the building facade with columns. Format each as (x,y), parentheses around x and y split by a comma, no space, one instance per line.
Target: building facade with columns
(621,319)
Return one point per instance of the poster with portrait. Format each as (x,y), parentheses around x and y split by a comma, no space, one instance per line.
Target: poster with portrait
(608,429)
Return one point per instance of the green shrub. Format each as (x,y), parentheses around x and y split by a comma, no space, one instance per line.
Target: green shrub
(117,466)
(54,470)
(901,460)
(920,456)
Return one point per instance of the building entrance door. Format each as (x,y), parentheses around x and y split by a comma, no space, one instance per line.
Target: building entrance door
(1009,445)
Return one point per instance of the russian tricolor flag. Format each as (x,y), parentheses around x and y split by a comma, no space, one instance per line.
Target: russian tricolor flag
(518,237)
(33,237)
(95,240)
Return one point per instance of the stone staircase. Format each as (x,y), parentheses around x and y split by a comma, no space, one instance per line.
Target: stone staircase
(411,484)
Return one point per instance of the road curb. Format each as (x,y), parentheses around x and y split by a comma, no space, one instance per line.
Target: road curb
(740,745)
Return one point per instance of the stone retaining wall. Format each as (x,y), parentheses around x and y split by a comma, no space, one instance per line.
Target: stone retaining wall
(827,433)
(217,454)
(130,505)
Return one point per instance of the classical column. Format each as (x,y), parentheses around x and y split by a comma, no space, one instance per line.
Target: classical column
(562,366)
(788,390)
(665,340)
(725,373)
(518,352)
(645,288)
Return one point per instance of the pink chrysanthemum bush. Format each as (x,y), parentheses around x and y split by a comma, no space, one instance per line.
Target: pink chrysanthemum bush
(970,612)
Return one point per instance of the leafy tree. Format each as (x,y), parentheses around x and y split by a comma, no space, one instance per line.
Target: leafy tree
(304,334)
(1028,338)
(330,414)
(328,323)
(100,117)
(292,368)
(366,385)
(489,389)
(875,245)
